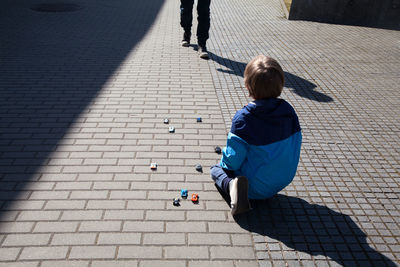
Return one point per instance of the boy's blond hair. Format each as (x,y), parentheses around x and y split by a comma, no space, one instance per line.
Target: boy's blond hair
(264,77)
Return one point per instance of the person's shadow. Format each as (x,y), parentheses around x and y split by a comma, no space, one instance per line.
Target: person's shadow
(312,229)
(297,84)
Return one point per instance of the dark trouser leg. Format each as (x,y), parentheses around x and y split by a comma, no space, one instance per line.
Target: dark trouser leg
(203,18)
(186,14)
(222,177)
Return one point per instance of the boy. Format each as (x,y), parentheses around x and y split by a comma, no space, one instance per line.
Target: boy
(263,145)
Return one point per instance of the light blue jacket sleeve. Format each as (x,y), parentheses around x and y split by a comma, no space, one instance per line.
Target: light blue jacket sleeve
(234,153)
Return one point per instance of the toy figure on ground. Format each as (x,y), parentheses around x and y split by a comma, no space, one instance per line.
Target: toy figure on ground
(263,145)
(203,26)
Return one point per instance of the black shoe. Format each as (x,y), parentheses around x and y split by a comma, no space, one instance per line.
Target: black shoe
(186,39)
(203,53)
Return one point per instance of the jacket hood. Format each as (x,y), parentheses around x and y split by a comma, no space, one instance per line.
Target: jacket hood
(265,121)
(271,107)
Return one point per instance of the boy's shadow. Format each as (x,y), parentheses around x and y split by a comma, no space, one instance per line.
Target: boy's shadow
(310,228)
(298,85)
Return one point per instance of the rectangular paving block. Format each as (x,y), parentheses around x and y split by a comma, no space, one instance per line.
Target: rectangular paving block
(65,263)
(208,239)
(16,227)
(165,215)
(181,252)
(119,238)
(64,204)
(26,240)
(115,263)
(100,226)
(232,252)
(106,204)
(164,263)
(186,227)
(139,252)
(143,226)
(41,253)
(9,254)
(92,252)
(51,227)
(74,239)
(124,215)
(81,215)
(163,238)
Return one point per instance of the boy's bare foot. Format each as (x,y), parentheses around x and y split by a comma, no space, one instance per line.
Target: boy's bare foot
(238,189)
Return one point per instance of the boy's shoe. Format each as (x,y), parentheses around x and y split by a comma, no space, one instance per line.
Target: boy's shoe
(238,189)
(186,39)
(203,53)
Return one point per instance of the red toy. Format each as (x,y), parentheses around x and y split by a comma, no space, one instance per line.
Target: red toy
(195,198)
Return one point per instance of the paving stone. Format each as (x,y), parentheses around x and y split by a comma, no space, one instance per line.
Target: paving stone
(119,238)
(26,240)
(39,215)
(71,263)
(9,254)
(211,263)
(81,215)
(170,263)
(186,252)
(124,215)
(92,252)
(232,253)
(127,263)
(74,239)
(139,252)
(208,239)
(41,253)
(191,227)
(163,238)
(50,227)
(100,226)
(143,226)
(16,227)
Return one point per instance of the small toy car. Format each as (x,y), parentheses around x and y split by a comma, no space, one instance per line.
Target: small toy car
(176,202)
(218,150)
(195,198)
(184,193)
(199,119)
(153,166)
(171,129)
(199,168)
(166,121)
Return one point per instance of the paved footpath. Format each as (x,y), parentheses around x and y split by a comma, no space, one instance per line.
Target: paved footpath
(83,96)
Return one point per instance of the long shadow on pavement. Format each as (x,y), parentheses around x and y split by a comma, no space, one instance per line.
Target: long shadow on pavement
(299,85)
(52,67)
(312,229)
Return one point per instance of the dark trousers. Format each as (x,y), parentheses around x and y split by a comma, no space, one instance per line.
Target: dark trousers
(203,18)
(222,177)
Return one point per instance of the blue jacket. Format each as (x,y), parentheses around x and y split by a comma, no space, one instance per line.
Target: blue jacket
(264,145)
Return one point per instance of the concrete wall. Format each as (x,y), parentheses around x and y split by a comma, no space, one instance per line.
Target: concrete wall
(373,13)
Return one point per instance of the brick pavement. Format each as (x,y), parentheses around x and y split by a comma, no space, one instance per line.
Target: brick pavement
(84,95)
(342,207)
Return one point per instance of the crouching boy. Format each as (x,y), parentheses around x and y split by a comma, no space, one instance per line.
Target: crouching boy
(263,145)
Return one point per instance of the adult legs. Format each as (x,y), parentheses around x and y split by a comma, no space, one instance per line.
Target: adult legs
(203,18)
(187,14)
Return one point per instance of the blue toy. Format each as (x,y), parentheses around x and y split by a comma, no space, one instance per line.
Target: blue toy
(184,193)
